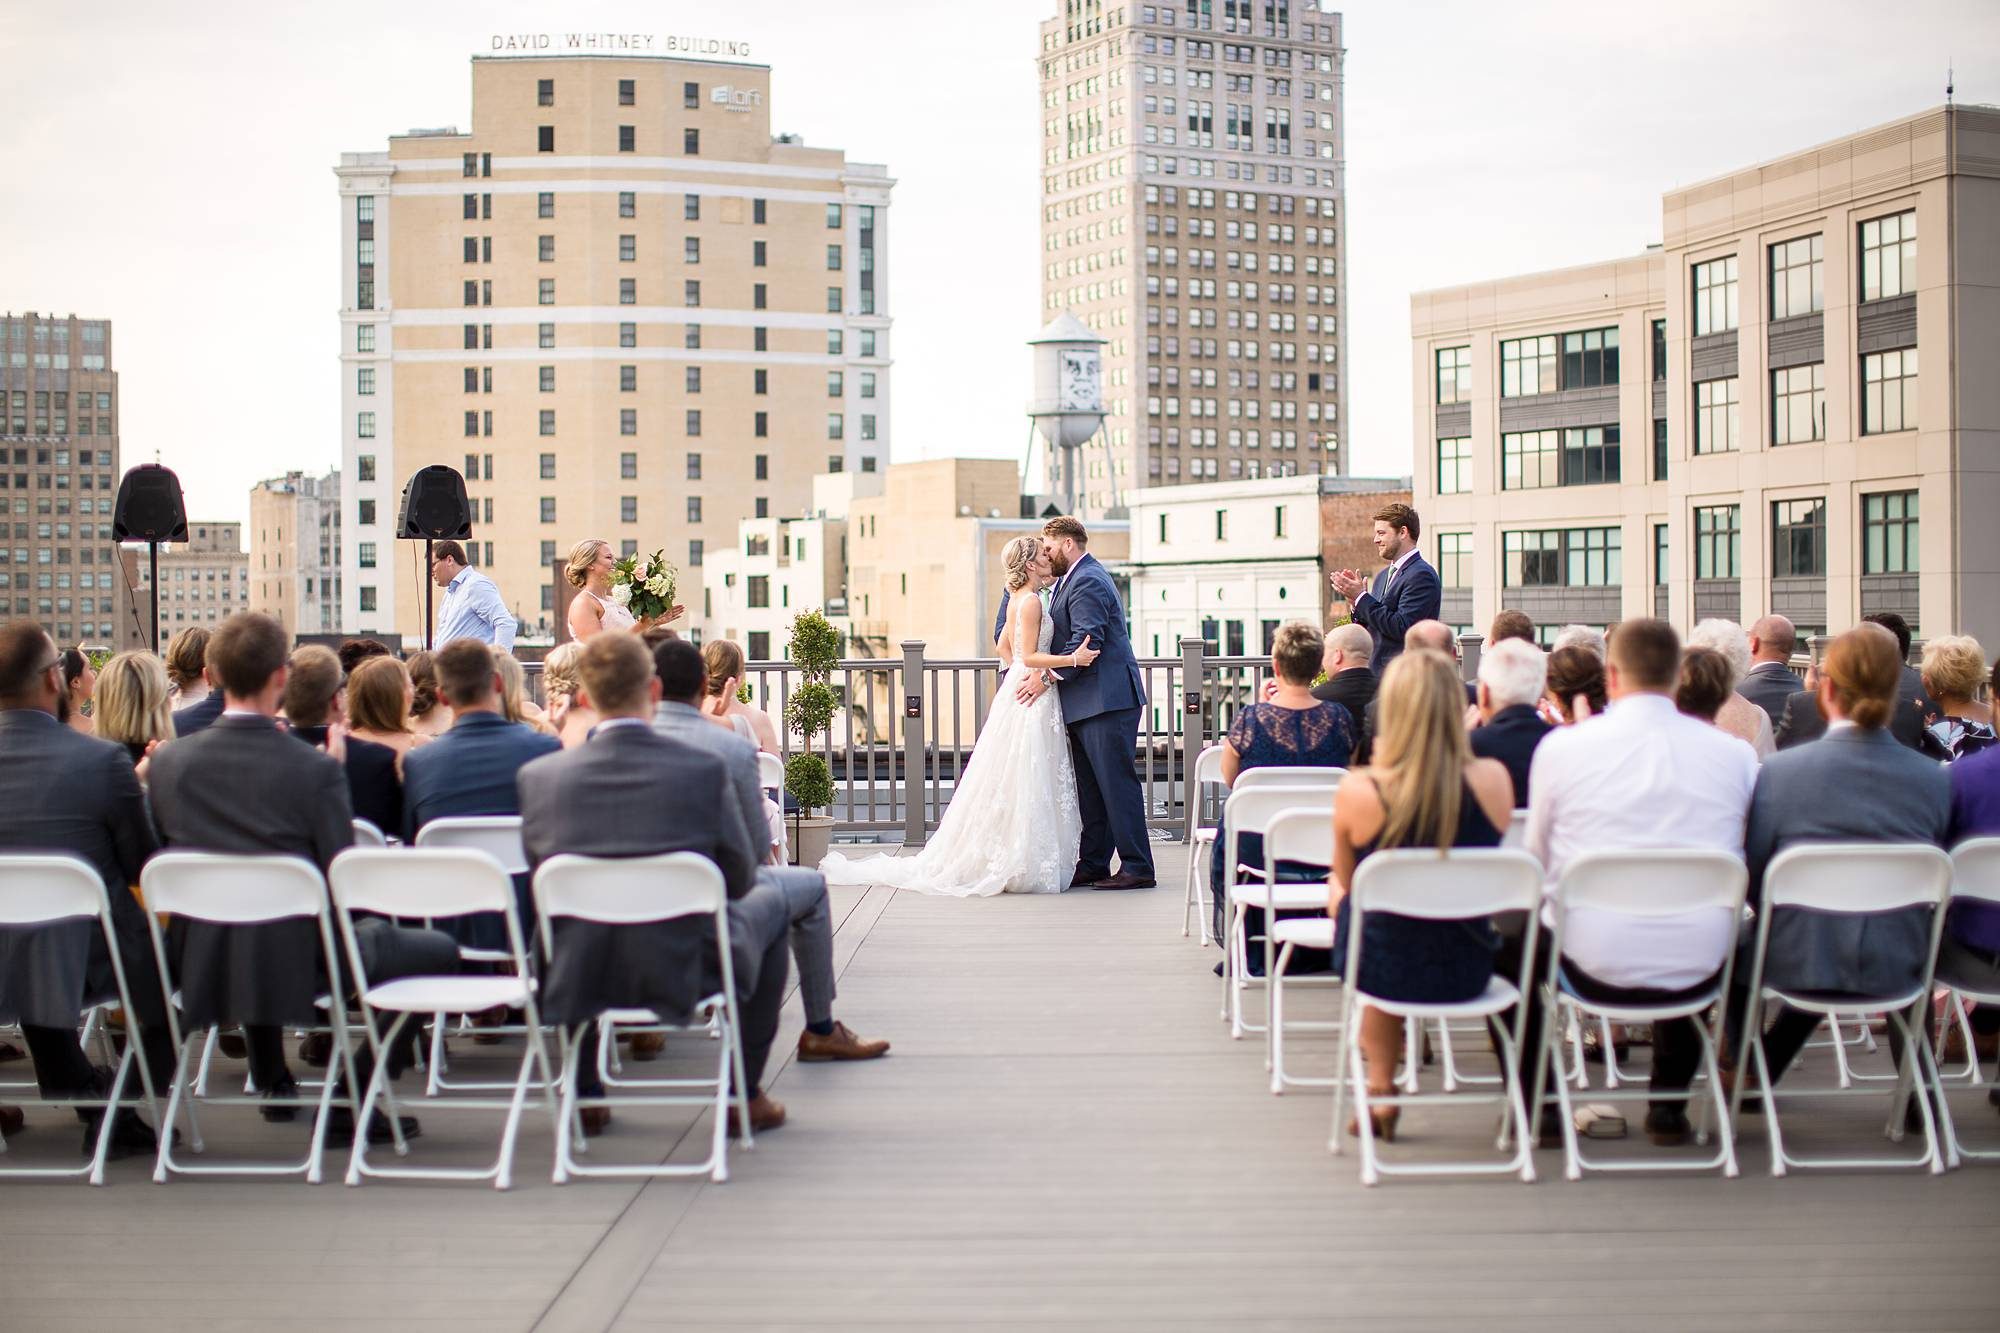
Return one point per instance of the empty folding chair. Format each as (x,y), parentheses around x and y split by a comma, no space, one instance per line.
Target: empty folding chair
(1648,886)
(643,891)
(1460,885)
(241,890)
(1250,810)
(436,882)
(1975,883)
(1302,837)
(44,891)
(499,838)
(1277,776)
(1851,879)
(770,772)
(1207,771)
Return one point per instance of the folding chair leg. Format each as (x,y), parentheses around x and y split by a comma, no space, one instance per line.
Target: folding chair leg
(434,1076)
(107,1123)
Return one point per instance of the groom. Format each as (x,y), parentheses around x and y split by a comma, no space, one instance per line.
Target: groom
(1100,706)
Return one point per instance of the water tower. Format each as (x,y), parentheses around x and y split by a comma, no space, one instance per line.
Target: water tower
(1068,403)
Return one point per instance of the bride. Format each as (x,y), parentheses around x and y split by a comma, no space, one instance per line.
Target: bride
(1012,825)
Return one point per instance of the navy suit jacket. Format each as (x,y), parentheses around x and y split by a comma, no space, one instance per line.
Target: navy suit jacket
(200,716)
(470,770)
(1511,737)
(1395,604)
(1086,604)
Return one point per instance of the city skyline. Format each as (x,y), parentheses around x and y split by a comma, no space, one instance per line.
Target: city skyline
(1550,182)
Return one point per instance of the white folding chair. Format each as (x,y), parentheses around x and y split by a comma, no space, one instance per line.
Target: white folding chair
(1516,835)
(499,838)
(770,771)
(638,891)
(1648,886)
(366,834)
(1975,879)
(1251,810)
(242,890)
(1461,885)
(435,882)
(1303,837)
(1207,771)
(40,891)
(1852,878)
(1250,779)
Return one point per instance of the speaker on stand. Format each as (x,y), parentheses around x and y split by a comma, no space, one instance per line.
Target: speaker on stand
(434,510)
(150,510)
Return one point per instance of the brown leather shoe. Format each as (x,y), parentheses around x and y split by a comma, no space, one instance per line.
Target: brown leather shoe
(12,1121)
(765,1115)
(648,1045)
(493,1018)
(232,1045)
(839,1044)
(316,1049)
(1121,880)
(596,1119)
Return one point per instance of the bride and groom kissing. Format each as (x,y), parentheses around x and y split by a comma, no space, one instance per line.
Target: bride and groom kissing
(1051,788)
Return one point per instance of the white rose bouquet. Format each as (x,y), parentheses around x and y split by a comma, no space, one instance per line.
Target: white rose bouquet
(644,585)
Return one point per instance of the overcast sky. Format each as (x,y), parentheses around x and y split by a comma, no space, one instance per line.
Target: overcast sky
(170,167)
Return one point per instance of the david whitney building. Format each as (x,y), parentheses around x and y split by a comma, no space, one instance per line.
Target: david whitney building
(618,304)
(1791,405)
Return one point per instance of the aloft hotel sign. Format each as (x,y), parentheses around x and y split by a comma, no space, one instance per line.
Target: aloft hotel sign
(616,43)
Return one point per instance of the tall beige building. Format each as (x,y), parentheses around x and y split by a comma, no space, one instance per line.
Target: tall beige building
(1194,216)
(203,581)
(620,305)
(295,551)
(59,470)
(1788,406)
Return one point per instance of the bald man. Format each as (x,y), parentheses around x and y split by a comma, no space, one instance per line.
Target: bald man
(1770,682)
(1350,680)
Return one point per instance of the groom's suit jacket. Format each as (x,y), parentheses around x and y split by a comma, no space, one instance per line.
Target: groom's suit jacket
(1086,603)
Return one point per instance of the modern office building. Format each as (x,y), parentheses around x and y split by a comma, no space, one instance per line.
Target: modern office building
(203,581)
(59,470)
(1194,216)
(1787,406)
(295,551)
(620,305)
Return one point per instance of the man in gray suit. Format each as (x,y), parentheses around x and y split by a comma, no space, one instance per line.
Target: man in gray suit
(1770,682)
(678,665)
(629,792)
(1804,722)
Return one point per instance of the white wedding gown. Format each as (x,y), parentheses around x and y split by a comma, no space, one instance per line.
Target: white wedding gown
(1012,825)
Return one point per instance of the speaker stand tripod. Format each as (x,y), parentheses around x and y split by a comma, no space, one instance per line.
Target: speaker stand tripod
(430,591)
(153,582)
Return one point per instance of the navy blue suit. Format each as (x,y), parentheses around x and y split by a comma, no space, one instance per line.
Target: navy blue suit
(1511,736)
(1394,603)
(1100,706)
(198,716)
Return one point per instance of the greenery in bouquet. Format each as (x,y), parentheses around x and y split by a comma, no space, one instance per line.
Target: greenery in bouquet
(644,585)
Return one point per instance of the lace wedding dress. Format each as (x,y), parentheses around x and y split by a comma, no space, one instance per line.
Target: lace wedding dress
(1012,825)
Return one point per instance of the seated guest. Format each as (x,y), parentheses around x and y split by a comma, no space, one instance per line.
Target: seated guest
(315,701)
(187,654)
(571,718)
(1804,722)
(1953,671)
(79,686)
(1350,680)
(628,791)
(1641,776)
(133,704)
(1288,729)
(353,652)
(190,718)
(1434,635)
(379,693)
(1737,715)
(1854,785)
(65,792)
(243,786)
(683,678)
(1512,676)
(1969,954)
(1704,685)
(1511,624)
(1769,682)
(1575,686)
(429,717)
(724,661)
(1425,790)
(1580,636)
(515,705)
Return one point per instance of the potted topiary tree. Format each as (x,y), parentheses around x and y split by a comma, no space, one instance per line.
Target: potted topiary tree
(815,651)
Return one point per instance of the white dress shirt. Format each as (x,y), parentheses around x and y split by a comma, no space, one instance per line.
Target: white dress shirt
(1643,775)
(473,609)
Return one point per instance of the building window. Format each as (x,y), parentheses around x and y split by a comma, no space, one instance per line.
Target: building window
(757,591)
(692,379)
(1659,554)
(1798,403)
(835,382)
(1715,416)
(761,467)
(1454,465)
(1563,558)
(832,217)
(628,421)
(628,467)
(367,599)
(1889,533)
(691,292)
(627,139)
(1889,256)
(364,425)
(545,138)
(1454,374)
(833,300)
(364,467)
(1889,391)
(628,379)
(548,467)
(867,426)
(758,255)
(691,207)
(1715,296)
(628,291)
(694,421)
(548,421)
(545,249)
(364,337)
(545,292)
(691,250)
(759,338)
(1222,525)
(364,380)
(628,509)
(1798,539)
(691,96)
(694,467)
(545,335)
(1659,350)
(628,248)
(1278,522)
(548,509)
(760,298)
(695,548)
(691,142)
(1798,285)
(545,204)
(1527,366)
(628,335)
(761,424)
(545,92)
(836,426)
(1718,542)
(757,212)
(628,204)
(1530,460)
(627,92)
(1659,449)
(694,509)
(867,384)
(1590,358)
(364,513)
(833,259)
(1455,559)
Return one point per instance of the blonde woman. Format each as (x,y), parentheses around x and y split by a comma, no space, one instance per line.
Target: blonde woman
(723,661)
(1954,668)
(560,685)
(1423,788)
(379,693)
(430,715)
(1013,825)
(515,705)
(134,703)
(590,564)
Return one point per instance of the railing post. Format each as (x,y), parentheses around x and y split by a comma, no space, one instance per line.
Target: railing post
(1468,655)
(913,743)
(1193,733)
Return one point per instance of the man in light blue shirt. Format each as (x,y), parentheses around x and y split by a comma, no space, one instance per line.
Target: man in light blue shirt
(472,607)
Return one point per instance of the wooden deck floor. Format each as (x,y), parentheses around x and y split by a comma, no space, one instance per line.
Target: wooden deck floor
(1064,1137)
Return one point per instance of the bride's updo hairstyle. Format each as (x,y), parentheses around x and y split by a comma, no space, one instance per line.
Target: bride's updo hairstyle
(581,557)
(1019,558)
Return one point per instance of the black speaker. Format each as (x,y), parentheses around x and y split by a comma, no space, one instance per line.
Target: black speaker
(150,508)
(435,507)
